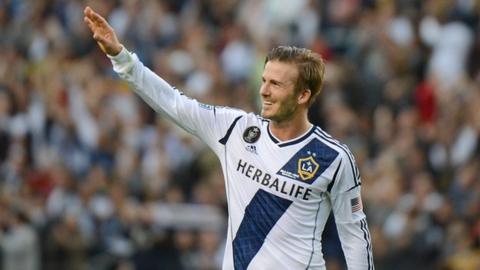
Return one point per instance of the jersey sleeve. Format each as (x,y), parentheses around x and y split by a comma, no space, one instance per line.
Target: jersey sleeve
(350,219)
(207,122)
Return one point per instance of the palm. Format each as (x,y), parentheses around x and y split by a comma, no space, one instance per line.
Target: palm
(102,32)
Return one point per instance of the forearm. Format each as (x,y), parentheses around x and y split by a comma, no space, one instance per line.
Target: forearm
(356,245)
(155,91)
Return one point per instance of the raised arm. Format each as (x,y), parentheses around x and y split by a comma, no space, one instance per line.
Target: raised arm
(209,123)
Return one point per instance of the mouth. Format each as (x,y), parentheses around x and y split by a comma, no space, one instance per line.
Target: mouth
(267,103)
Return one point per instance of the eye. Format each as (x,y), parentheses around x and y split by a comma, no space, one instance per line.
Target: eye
(276,83)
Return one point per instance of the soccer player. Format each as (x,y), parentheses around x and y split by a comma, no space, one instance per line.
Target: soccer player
(283,175)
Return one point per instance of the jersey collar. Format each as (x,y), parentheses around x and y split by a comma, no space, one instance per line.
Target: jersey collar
(289,142)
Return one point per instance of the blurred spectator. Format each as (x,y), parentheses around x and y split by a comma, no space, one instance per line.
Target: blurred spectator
(18,241)
(66,246)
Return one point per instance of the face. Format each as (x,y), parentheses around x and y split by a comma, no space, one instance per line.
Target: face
(279,100)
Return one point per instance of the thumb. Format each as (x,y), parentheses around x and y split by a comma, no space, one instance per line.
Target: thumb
(106,45)
(103,47)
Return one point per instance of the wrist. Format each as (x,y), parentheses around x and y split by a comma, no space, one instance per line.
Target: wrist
(115,50)
(121,57)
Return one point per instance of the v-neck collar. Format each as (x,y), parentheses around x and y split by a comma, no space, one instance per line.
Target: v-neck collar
(291,141)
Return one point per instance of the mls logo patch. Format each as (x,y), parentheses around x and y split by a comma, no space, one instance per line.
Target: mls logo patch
(251,134)
(307,167)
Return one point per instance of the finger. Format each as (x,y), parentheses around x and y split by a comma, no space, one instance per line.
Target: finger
(89,23)
(95,17)
(87,10)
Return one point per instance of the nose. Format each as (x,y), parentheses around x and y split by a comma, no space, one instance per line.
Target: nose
(264,90)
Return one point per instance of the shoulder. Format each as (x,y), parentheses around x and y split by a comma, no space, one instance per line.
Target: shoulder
(224,114)
(349,176)
(252,119)
(223,109)
(346,160)
(341,148)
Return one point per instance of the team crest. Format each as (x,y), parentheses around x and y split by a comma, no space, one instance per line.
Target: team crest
(251,134)
(309,162)
(307,167)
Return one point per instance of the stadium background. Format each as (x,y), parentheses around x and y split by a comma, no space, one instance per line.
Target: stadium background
(91,178)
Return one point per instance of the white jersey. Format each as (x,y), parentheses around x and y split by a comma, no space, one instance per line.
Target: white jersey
(279,193)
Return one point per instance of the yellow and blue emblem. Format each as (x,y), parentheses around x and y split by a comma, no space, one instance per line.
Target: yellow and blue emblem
(307,168)
(309,162)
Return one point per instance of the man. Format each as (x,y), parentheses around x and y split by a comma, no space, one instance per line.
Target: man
(283,175)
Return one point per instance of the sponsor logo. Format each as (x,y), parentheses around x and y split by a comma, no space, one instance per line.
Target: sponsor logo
(274,184)
(251,149)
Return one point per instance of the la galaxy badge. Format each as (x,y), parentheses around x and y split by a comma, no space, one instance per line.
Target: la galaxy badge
(307,167)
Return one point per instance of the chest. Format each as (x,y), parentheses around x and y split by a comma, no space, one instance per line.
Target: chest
(301,170)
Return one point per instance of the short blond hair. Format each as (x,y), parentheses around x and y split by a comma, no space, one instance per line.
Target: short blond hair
(310,65)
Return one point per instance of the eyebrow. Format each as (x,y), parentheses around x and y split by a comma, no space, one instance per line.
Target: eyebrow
(274,81)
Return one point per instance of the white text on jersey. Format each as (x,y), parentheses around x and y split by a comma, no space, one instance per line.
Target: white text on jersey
(265,179)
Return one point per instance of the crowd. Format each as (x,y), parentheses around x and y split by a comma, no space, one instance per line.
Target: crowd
(92,178)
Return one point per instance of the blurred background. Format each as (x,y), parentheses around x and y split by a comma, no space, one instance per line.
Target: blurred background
(92,178)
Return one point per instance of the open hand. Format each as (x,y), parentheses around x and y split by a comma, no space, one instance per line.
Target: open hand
(103,33)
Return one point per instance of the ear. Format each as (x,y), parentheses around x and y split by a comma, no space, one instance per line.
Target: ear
(304,96)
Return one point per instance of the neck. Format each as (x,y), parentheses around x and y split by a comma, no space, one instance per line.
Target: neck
(290,129)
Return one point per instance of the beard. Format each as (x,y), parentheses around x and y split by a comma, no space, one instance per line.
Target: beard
(281,111)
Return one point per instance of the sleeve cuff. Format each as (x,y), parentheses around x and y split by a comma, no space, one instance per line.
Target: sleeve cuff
(122,57)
